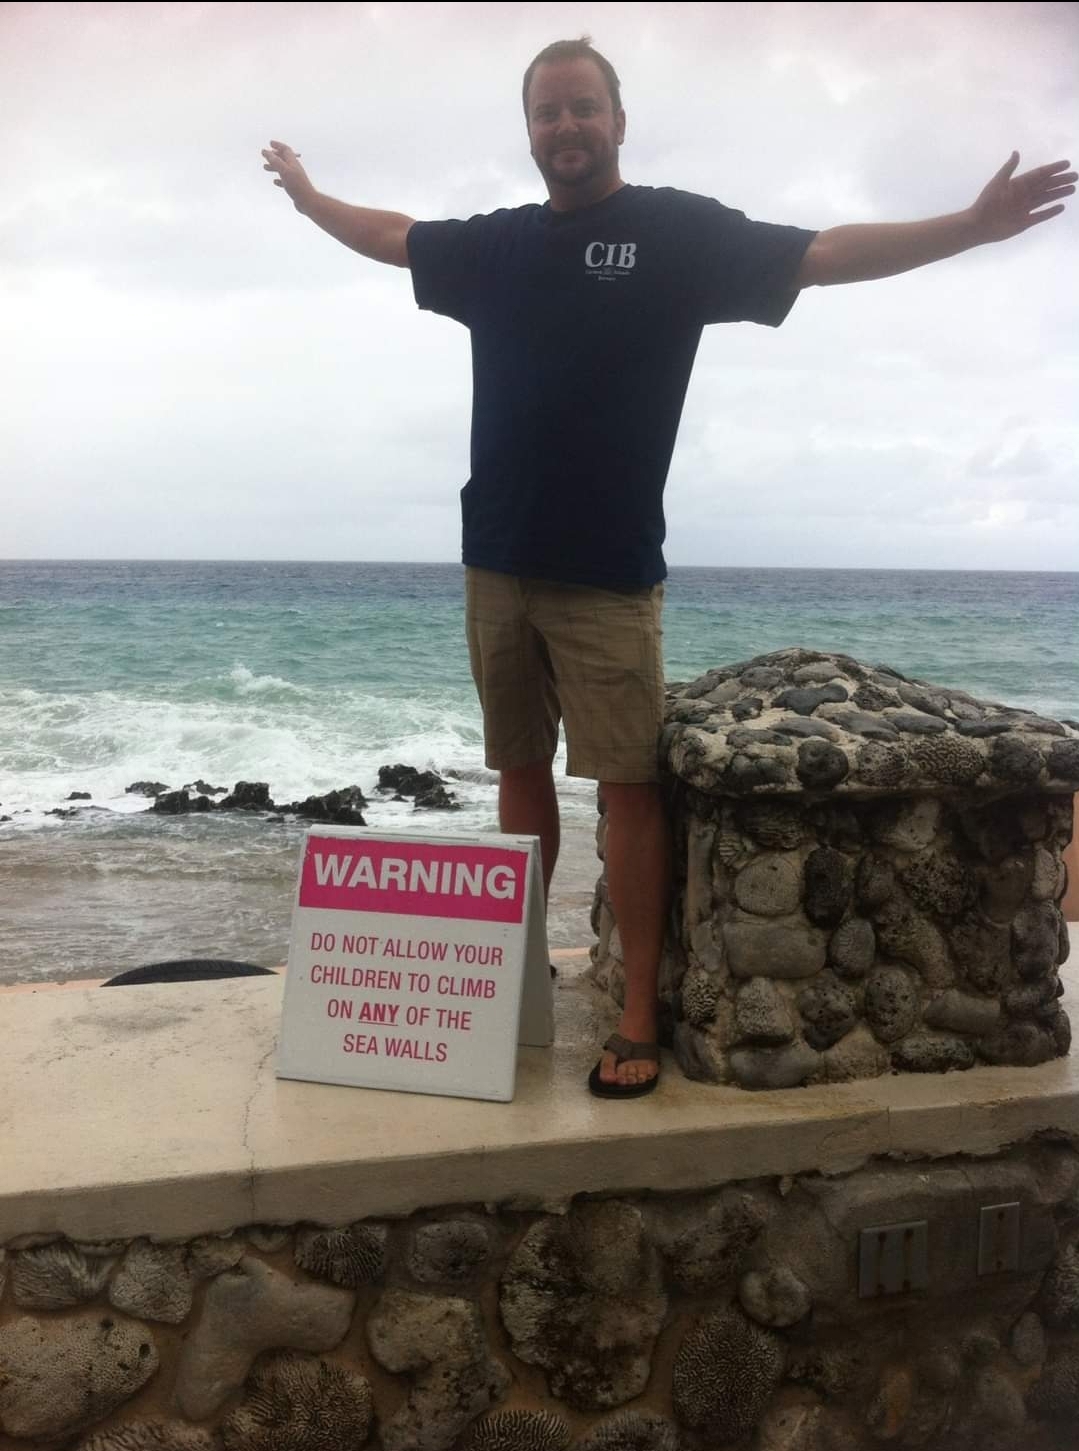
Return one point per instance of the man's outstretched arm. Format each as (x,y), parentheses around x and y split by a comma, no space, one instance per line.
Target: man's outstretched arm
(375,234)
(1007,206)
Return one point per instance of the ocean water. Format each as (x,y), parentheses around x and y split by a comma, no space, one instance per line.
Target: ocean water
(311,676)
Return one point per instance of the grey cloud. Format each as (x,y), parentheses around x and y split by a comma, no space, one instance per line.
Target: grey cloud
(195,360)
(1008,457)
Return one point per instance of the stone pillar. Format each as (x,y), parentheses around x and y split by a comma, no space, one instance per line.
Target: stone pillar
(868,875)
(1070,905)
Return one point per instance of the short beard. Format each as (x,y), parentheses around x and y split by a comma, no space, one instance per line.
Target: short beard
(587,174)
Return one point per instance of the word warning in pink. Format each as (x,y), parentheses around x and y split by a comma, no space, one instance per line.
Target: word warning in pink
(421,879)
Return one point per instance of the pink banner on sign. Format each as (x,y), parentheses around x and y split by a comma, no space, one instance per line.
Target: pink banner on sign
(421,879)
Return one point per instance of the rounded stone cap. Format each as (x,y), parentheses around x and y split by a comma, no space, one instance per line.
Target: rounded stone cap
(810,721)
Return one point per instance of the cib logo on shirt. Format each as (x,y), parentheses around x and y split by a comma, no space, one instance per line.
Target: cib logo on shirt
(610,259)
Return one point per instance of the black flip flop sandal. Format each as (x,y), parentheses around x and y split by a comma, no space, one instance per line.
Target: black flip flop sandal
(624,1049)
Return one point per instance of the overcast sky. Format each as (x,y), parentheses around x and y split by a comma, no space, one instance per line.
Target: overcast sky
(189,369)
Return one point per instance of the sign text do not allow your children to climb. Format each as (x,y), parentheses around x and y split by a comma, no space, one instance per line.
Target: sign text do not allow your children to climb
(413,961)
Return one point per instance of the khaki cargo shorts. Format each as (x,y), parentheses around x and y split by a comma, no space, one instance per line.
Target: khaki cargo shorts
(542,651)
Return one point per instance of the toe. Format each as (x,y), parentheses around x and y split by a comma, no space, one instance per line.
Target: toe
(636,1071)
(608,1071)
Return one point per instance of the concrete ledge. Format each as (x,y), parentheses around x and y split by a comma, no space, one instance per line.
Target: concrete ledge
(154,1110)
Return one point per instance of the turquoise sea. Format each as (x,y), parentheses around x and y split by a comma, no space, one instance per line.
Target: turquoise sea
(310,676)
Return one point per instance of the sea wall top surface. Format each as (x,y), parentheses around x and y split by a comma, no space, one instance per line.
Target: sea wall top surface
(154,1110)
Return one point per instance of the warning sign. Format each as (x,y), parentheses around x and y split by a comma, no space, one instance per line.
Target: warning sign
(415,963)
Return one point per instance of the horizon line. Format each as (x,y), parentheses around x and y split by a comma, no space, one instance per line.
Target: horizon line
(453,563)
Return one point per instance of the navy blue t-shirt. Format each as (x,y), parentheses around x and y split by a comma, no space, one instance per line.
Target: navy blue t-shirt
(584,329)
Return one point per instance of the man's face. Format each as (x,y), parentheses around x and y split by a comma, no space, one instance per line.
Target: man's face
(573,129)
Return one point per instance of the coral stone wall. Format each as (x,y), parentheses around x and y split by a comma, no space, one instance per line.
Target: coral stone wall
(868,872)
(732,1318)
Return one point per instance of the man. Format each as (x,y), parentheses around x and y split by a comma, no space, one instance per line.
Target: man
(585,315)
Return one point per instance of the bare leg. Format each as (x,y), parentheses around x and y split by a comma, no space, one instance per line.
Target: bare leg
(528,806)
(638,879)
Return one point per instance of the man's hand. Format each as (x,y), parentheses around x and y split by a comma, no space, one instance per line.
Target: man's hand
(382,236)
(291,175)
(1008,205)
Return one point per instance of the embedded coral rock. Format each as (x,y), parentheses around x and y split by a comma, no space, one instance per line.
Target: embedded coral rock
(939,882)
(518,1431)
(1060,1290)
(905,935)
(247,1310)
(798,1423)
(701,994)
(828,1011)
(852,948)
(828,886)
(774,824)
(1035,940)
(451,1250)
(60,1376)
(770,886)
(56,1276)
(1055,1395)
(1014,760)
(212,1254)
(949,759)
(983,951)
(348,1257)
(268,1238)
(150,1436)
(821,764)
(632,1431)
(583,1298)
(776,1297)
(154,1282)
(874,882)
(761,1013)
(933,1053)
(711,1252)
(300,1403)
(440,1343)
(1028,1341)
(891,1003)
(725,1373)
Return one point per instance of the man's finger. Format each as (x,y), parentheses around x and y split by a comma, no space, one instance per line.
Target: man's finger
(1043,216)
(281,152)
(1008,167)
(1046,175)
(1048,169)
(1050,196)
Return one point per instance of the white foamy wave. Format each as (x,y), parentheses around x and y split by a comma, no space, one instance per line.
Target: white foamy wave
(248,683)
(310,742)
(300,741)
